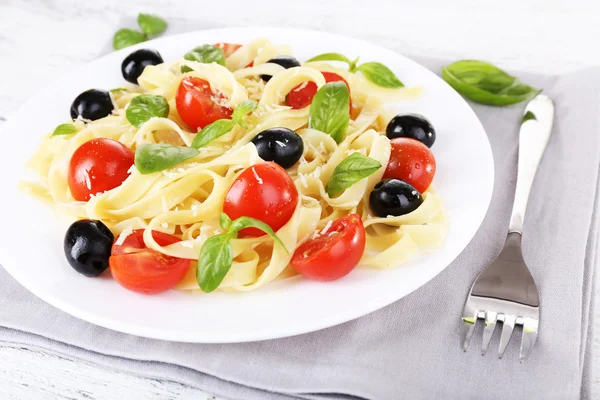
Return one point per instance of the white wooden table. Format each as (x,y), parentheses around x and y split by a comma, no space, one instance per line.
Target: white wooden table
(40,40)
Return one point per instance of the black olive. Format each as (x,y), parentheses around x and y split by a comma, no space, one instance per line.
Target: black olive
(281,145)
(285,61)
(412,126)
(92,104)
(87,246)
(394,197)
(134,64)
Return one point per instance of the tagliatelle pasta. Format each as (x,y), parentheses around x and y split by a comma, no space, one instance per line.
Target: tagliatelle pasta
(186,200)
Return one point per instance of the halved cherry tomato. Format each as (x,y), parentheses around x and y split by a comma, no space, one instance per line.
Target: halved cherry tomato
(228,48)
(264,192)
(411,161)
(302,95)
(334,253)
(144,270)
(97,166)
(198,105)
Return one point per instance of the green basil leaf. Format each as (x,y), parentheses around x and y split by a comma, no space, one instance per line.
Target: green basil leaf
(245,222)
(331,57)
(216,257)
(224,221)
(127,37)
(352,169)
(380,75)
(185,68)
(206,54)
(118,90)
(353,65)
(329,111)
(146,106)
(65,129)
(212,131)
(151,24)
(528,116)
(485,83)
(242,110)
(156,157)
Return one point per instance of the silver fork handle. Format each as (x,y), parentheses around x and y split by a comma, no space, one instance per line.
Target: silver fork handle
(533,138)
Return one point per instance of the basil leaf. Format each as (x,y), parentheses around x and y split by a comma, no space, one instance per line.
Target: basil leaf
(206,54)
(65,129)
(242,110)
(212,131)
(146,106)
(245,222)
(151,24)
(156,157)
(118,90)
(352,169)
(185,68)
(224,221)
(127,37)
(331,57)
(528,116)
(216,257)
(485,83)
(353,67)
(329,111)
(380,75)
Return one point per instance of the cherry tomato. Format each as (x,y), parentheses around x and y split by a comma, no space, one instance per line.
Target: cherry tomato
(144,270)
(97,166)
(198,105)
(228,48)
(334,253)
(302,95)
(264,192)
(412,162)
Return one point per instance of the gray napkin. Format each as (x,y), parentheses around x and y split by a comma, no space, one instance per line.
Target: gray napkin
(409,349)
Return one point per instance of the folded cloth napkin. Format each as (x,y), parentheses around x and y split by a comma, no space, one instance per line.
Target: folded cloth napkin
(409,349)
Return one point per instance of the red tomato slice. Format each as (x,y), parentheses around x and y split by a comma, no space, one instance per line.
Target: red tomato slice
(302,95)
(144,270)
(334,253)
(198,105)
(411,161)
(97,166)
(264,192)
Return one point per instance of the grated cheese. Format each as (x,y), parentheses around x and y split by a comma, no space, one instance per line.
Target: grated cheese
(260,181)
(281,144)
(164,225)
(329,223)
(121,239)
(86,177)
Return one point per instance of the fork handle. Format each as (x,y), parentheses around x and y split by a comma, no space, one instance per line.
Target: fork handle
(533,138)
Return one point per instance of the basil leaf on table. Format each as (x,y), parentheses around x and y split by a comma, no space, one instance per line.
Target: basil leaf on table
(156,157)
(215,260)
(144,107)
(65,129)
(329,111)
(380,75)
(206,54)
(351,170)
(485,83)
(246,222)
(127,37)
(151,24)
(243,109)
(212,131)
(528,116)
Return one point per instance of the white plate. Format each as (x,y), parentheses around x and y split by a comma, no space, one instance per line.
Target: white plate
(31,238)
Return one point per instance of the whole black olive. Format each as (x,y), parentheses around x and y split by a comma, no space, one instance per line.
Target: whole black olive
(281,145)
(285,61)
(92,104)
(133,65)
(87,246)
(412,126)
(394,197)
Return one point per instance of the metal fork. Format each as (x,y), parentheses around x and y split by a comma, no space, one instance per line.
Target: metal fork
(505,291)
